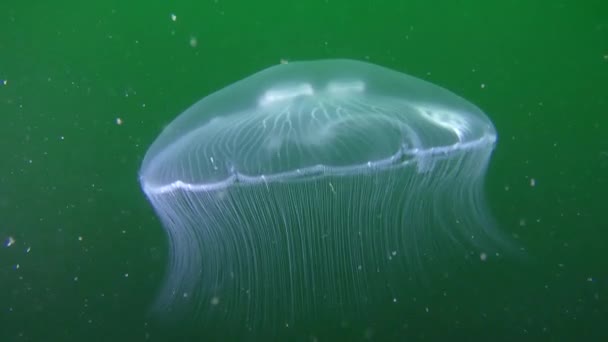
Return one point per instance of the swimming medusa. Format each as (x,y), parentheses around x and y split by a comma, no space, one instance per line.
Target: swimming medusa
(316,187)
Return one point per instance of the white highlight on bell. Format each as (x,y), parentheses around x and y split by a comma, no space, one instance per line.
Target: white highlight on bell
(285,93)
(448,119)
(345,87)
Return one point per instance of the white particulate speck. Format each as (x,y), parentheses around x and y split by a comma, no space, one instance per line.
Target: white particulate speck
(10,241)
(193,41)
(483,256)
(532,182)
(173,17)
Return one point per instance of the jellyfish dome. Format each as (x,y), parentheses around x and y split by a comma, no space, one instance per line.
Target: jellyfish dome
(313,187)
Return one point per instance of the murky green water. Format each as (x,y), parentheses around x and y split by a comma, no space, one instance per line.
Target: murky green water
(86,87)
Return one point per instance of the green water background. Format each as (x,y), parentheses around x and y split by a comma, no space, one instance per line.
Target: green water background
(85,87)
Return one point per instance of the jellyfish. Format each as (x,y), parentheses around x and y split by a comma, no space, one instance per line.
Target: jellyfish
(317,187)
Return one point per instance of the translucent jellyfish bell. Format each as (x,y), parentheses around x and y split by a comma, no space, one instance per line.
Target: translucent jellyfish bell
(309,186)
